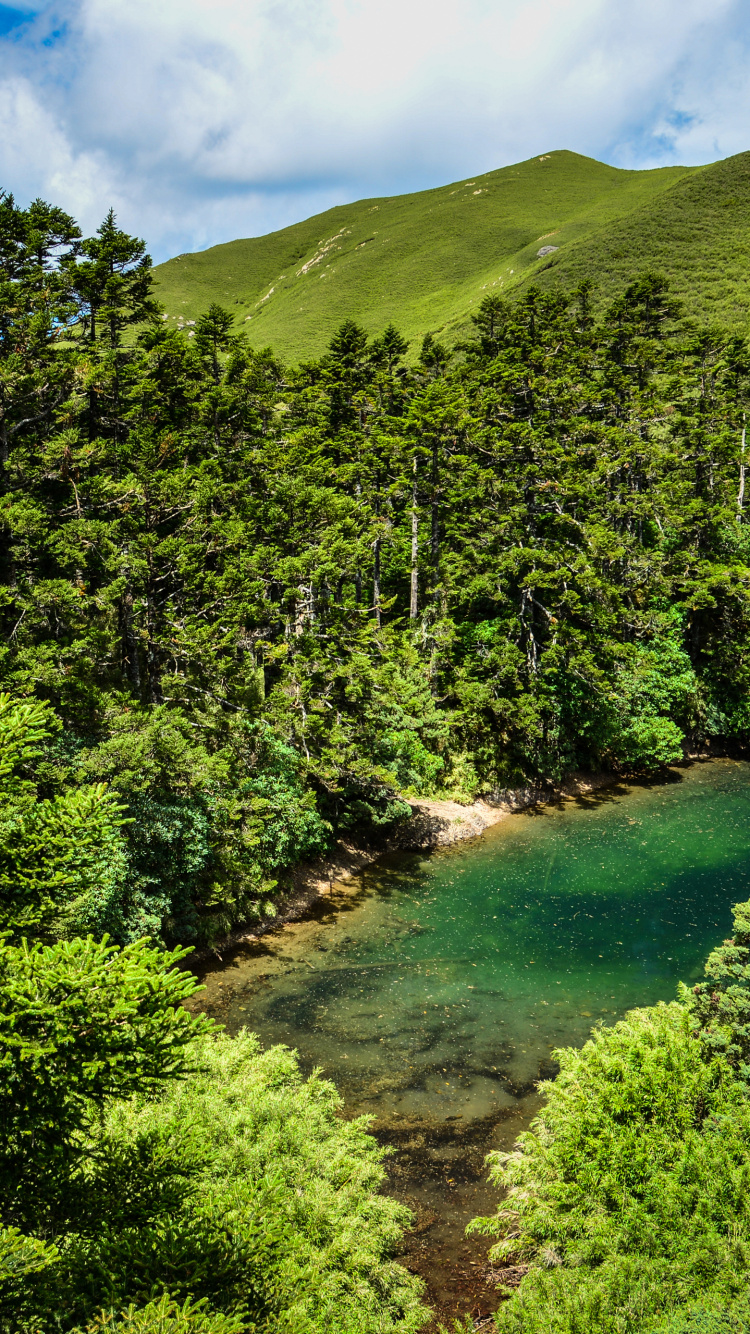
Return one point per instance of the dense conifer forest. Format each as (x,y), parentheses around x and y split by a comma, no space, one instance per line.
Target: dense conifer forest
(248,607)
(264,603)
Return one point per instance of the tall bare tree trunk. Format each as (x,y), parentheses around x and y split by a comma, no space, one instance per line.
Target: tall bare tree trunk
(414,545)
(376,580)
(527,623)
(741,492)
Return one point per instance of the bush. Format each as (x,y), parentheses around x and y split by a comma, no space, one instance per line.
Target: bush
(59,856)
(166,1316)
(273,1150)
(656,701)
(170,1163)
(238,1187)
(630,1195)
(700,1320)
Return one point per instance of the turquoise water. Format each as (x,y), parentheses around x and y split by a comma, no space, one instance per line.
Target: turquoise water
(441,986)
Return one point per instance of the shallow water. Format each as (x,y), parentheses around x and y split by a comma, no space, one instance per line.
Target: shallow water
(435,992)
(446,980)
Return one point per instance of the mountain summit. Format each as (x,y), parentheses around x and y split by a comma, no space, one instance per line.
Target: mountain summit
(423,260)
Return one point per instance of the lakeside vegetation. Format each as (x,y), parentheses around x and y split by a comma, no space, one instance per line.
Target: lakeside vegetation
(156,1175)
(159,1177)
(261,604)
(247,608)
(629,1196)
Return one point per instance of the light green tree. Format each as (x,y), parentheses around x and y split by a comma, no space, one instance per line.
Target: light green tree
(62,859)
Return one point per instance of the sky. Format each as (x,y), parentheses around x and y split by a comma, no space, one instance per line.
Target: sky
(203,120)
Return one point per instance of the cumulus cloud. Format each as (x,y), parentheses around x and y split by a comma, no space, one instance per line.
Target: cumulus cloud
(201,120)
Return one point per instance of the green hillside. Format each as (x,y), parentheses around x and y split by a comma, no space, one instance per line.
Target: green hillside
(420,259)
(697,232)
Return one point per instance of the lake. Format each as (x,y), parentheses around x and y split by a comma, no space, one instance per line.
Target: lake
(435,987)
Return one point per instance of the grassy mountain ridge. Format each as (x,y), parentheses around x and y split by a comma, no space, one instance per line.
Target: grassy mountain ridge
(421,259)
(697,232)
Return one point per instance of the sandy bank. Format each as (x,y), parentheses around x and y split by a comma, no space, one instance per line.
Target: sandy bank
(433,824)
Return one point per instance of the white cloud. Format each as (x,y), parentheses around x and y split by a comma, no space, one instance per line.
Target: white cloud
(36,152)
(206,119)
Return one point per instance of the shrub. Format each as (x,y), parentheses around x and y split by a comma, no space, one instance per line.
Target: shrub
(629,1196)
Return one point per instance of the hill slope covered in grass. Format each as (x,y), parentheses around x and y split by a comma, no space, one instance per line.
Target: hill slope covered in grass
(422,260)
(697,232)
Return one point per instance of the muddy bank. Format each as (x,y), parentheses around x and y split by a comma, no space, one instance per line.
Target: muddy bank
(433,824)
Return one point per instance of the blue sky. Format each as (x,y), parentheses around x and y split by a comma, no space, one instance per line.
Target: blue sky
(11,18)
(203,120)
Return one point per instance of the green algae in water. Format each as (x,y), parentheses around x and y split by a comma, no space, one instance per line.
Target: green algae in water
(442,987)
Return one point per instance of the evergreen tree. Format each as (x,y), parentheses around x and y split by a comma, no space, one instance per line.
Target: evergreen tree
(110,274)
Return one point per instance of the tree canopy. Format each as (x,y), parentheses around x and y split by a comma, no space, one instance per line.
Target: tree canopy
(265,603)
(247,608)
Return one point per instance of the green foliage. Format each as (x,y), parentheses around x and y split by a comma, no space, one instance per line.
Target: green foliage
(720,1006)
(702,1320)
(23,1262)
(110,275)
(80,1023)
(158,1176)
(269,604)
(628,1198)
(656,689)
(272,1171)
(247,608)
(237,1191)
(62,860)
(166,1316)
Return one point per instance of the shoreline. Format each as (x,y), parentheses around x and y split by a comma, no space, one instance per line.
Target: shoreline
(433,824)
(436,1165)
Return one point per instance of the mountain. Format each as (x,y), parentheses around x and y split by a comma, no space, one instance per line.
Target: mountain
(423,260)
(697,232)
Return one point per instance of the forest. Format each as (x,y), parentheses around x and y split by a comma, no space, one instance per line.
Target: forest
(249,608)
(264,605)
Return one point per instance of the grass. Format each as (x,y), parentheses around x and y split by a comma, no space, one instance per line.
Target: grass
(696,232)
(423,260)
